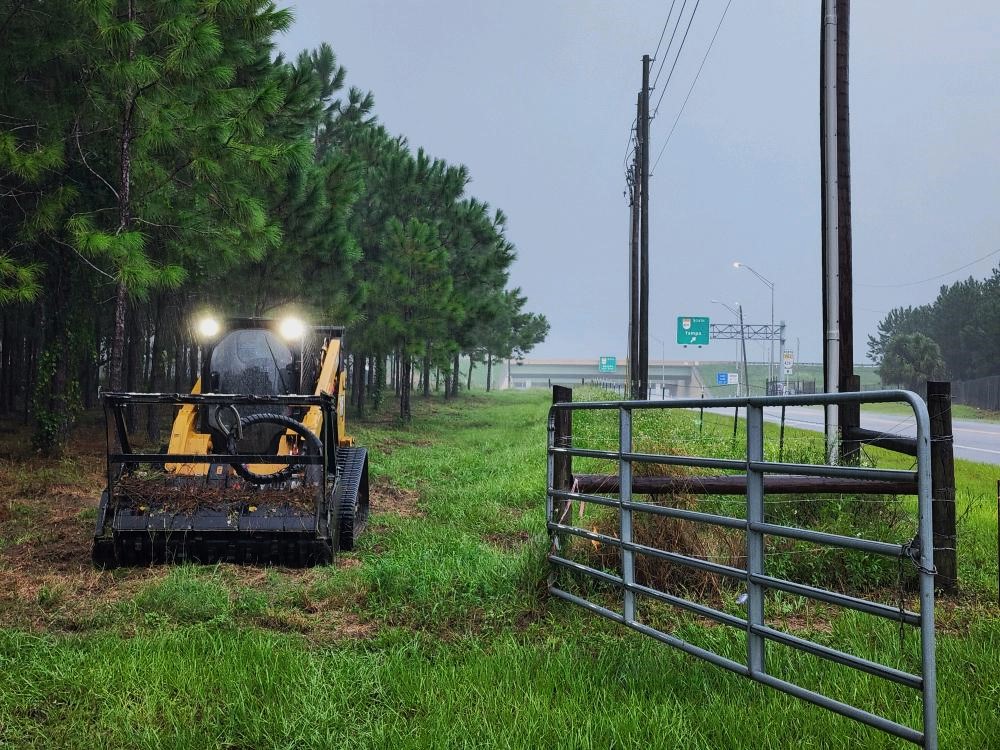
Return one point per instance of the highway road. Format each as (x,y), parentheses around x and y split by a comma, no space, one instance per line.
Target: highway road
(974,440)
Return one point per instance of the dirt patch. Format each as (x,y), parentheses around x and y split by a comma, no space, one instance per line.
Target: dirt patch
(46,573)
(321,626)
(47,534)
(508,541)
(385,497)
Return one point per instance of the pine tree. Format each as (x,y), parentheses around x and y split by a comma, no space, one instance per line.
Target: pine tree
(183,89)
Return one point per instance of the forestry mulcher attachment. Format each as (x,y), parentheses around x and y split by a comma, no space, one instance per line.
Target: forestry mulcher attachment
(255,471)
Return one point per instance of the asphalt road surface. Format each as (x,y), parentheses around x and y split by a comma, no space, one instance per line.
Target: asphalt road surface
(974,440)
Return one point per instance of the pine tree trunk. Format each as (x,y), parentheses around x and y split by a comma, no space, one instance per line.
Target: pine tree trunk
(116,365)
(456,374)
(33,347)
(155,354)
(361,376)
(133,369)
(404,391)
(5,365)
(427,374)
(489,370)
(397,374)
(124,222)
(468,382)
(89,367)
(179,359)
(52,394)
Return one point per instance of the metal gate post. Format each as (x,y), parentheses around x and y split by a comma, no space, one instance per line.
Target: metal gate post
(625,511)
(925,522)
(755,539)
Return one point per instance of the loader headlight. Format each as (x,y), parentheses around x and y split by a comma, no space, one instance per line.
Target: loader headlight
(292,329)
(208,327)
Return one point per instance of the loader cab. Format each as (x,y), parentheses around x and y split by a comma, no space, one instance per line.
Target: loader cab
(254,361)
(251,357)
(257,356)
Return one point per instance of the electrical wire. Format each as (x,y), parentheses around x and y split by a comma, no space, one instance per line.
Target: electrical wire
(695,81)
(669,13)
(631,140)
(666,52)
(677,57)
(931,278)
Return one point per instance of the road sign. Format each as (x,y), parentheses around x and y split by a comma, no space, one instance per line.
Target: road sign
(607,364)
(787,362)
(734,378)
(692,331)
(722,378)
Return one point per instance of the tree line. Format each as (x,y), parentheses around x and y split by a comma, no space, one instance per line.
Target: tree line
(160,159)
(955,336)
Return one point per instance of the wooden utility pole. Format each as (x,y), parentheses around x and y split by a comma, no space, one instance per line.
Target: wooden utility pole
(643,126)
(844,248)
(835,179)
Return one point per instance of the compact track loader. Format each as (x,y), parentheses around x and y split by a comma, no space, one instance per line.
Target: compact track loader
(256,471)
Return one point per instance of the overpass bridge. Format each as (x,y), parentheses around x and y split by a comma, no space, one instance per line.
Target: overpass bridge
(666,378)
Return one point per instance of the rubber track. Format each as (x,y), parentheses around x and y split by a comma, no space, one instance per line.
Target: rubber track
(350,500)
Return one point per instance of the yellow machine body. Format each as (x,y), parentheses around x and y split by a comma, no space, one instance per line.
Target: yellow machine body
(185,438)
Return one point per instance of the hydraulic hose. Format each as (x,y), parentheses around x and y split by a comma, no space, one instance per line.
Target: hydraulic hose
(313,446)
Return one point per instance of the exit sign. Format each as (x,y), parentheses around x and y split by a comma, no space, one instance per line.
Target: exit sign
(692,331)
(607,364)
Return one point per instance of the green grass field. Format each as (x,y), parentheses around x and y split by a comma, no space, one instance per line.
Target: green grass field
(437,632)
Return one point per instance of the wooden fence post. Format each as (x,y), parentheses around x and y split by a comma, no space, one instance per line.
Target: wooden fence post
(943,485)
(562,464)
(850,421)
(563,479)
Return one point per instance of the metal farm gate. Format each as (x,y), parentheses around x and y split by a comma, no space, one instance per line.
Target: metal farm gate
(761,478)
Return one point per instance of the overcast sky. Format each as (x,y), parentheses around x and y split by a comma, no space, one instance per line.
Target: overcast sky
(536,97)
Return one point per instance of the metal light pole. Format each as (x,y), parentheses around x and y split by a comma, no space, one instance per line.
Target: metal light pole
(770,285)
(738,312)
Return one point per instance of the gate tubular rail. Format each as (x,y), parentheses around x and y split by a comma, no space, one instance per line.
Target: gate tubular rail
(920,551)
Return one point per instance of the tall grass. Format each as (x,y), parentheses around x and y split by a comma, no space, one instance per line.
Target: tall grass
(456,643)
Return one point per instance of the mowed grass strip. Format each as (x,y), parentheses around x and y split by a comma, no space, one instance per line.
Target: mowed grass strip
(454,642)
(567,683)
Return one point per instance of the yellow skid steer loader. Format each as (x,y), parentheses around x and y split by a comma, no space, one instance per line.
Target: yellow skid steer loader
(259,468)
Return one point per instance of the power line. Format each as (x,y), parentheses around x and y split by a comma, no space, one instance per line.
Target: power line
(932,278)
(665,24)
(696,75)
(631,140)
(666,52)
(677,57)
(669,13)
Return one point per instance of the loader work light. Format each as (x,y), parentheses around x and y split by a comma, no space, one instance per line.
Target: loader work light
(292,329)
(208,327)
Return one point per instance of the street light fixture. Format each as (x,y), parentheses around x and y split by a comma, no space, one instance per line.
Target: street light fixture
(738,312)
(770,333)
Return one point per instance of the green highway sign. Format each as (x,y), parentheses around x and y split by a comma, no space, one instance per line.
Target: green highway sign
(692,331)
(607,364)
